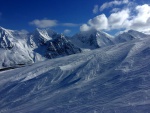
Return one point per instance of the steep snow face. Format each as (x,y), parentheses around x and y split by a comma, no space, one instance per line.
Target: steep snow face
(41,36)
(60,46)
(13,48)
(5,38)
(92,39)
(110,79)
(129,35)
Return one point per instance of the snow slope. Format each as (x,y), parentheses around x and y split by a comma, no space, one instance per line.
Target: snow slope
(113,79)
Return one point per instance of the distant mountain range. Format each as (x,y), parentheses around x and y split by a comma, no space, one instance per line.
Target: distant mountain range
(96,39)
(20,48)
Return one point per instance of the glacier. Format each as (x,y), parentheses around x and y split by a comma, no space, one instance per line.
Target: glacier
(112,79)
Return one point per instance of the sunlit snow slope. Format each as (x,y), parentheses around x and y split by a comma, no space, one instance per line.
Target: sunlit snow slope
(113,79)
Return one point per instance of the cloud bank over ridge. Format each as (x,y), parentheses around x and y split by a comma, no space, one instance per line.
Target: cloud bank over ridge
(137,18)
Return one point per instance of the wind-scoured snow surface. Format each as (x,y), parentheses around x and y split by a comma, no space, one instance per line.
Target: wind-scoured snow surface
(113,79)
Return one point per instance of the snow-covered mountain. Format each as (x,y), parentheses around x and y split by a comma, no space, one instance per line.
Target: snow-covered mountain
(51,44)
(19,48)
(92,39)
(96,39)
(112,79)
(6,39)
(129,35)
(40,36)
(13,48)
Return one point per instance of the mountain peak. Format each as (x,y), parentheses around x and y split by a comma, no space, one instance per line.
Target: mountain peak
(129,36)
(45,30)
(92,39)
(1,27)
(5,39)
(131,31)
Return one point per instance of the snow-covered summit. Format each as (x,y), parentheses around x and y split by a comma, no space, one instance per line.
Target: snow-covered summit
(130,35)
(45,33)
(6,38)
(61,46)
(41,36)
(92,39)
(137,34)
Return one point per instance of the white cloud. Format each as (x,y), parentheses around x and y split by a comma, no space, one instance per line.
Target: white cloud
(67,31)
(115,10)
(141,21)
(123,19)
(119,19)
(99,22)
(70,24)
(113,3)
(95,10)
(44,23)
(85,27)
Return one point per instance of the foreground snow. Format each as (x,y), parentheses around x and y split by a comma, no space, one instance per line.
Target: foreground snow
(114,79)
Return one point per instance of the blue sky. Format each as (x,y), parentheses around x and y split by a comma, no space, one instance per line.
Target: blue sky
(71,16)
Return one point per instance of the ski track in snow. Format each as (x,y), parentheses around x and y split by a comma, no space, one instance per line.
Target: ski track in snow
(113,79)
